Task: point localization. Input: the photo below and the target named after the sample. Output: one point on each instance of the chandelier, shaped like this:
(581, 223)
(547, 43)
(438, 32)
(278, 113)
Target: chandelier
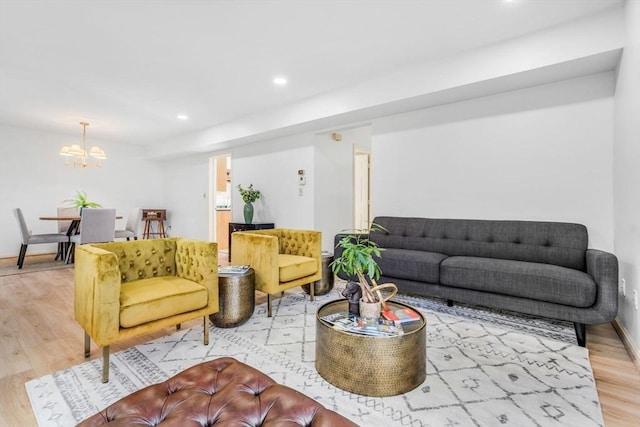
(78, 156)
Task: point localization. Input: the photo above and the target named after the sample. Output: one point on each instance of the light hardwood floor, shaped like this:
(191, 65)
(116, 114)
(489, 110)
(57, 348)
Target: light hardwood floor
(40, 336)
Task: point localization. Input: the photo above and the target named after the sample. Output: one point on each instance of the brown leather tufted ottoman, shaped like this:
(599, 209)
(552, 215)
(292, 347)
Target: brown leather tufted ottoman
(221, 392)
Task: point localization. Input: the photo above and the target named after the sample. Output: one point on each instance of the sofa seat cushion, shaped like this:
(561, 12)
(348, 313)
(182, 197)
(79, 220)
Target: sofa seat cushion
(142, 301)
(411, 265)
(292, 267)
(542, 282)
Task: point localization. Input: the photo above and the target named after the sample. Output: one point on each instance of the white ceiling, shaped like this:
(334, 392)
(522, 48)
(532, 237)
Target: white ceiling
(129, 67)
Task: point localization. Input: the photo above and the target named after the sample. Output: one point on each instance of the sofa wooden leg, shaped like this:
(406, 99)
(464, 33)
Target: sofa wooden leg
(87, 344)
(206, 330)
(449, 303)
(268, 305)
(105, 364)
(581, 333)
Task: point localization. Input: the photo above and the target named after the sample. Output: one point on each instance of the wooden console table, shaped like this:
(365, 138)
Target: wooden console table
(241, 226)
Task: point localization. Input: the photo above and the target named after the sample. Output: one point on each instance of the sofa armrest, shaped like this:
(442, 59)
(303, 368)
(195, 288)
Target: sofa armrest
(197, 260)
(97, 293)
(260, 251)
(603, 267)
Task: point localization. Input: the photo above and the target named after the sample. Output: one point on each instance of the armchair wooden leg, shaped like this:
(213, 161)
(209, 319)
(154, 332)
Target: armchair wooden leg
(105, 364)
(268, 305)
(178, 326)
(312, 291)
(206, 330)
(87, 344)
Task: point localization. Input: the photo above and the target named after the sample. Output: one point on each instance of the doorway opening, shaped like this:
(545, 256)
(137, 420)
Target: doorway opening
(220, 201)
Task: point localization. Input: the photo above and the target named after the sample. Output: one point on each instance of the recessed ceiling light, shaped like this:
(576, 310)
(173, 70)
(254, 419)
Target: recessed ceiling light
(182, 117)
(280, 81)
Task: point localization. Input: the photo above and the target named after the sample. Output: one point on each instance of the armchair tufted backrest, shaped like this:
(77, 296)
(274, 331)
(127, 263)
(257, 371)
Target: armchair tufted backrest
(294, 241)
(195, 261)
(143, 259)
(557, 243)
(298, 242)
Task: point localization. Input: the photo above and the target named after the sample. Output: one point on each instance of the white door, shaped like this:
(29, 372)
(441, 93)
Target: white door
(361, 190)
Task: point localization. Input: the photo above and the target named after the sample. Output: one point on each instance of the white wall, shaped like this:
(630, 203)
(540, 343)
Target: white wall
(33, 177)
(627, 170)
(543, 153)
(334, 181)
(186, 195)
(272, 167)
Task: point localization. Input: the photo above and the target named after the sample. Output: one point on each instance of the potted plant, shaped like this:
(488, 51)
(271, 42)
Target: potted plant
(358, 259)
(80, 201)
(249, 195)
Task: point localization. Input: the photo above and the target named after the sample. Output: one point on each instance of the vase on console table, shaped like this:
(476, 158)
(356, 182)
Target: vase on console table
(248, 212)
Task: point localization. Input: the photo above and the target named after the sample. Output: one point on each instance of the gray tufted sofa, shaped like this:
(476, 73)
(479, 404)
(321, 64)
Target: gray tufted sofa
(538, 268)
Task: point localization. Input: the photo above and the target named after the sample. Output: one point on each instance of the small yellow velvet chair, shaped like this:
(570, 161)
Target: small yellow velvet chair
(281, 258)
(131, 288)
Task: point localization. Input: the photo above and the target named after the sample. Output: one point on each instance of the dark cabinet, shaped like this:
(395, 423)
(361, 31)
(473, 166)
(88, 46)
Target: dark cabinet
(240, 226)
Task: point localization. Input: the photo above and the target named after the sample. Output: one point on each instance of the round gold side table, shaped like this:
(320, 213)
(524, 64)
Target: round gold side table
(371, 365)
(237, 299)
(325, 284)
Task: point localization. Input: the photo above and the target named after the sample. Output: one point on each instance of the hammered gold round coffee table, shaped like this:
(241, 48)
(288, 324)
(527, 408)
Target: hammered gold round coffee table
(371, 365)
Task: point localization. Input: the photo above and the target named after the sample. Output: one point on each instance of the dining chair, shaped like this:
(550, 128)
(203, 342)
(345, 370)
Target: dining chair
(33, 239)
(133, 223)
(63, 228)
(97, 225)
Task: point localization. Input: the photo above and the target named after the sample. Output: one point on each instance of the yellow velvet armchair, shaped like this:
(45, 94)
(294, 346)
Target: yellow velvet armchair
(282, 258)
(130, 288)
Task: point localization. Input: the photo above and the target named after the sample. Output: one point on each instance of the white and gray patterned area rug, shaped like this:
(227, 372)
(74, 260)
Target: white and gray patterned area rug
(482, 370)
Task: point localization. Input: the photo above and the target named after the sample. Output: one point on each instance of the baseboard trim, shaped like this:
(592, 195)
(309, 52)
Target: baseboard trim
(628, 343)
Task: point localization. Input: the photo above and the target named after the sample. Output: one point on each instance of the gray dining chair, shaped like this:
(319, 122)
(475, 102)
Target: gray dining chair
(133, 223)
(63, 228)
(97, 225)
(33, 239)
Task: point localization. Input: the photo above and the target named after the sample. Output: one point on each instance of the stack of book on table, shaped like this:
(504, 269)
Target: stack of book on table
(401, 315)
(348, 322)
(233, 269)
